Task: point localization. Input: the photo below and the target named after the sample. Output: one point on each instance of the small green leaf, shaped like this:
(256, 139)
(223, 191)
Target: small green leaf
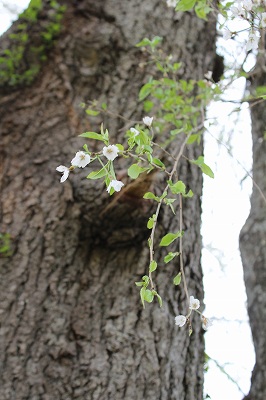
(139, 283)
(145, 91)
(170, 238)
(178, 187)
(104, 106)
(151, 221)
(93, 135)
(148, 296)
(169, 257)
(158, 298)
(142, 295)
(134, 171)
(97, 174)
(150, 196)
(204, 167)
(92, 112)
(177, 279)
(148, 105)
(158, 162)
(120, 147)
(146, 280)
(153, 266)
(143, 42)
(207, 170)
(193, 138)
(185, 5)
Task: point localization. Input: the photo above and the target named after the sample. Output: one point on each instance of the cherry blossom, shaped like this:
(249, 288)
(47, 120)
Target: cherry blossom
(116, 185)
(180, 320)
(110, 152)
(81, 159)
(147, 121)
(194, 304)
(65, 172)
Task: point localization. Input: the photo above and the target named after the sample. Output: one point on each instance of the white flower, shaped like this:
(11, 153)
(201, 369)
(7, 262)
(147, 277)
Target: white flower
(116, 185)
(247, 4)
(110, 152)
(171, 3)
(135, 131)
(81, 159)
(194, 304)
(253, 42)
(237, 11)
(263, 20)
(180, 320)
(227, 34)
(206, 323)
(147, 121)
(65, 171)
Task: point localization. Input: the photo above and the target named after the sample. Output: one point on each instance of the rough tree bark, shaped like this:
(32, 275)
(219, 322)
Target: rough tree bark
(253, 241)
(72, 326)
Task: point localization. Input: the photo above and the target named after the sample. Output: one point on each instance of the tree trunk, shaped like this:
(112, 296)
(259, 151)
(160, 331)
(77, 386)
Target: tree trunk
(72, 325)
(253, 241)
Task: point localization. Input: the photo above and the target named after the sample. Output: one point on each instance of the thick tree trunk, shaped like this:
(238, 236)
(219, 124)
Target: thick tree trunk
(72, 325)
(253, 242)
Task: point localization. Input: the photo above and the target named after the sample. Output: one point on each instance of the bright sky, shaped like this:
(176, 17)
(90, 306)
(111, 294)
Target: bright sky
(225, 209)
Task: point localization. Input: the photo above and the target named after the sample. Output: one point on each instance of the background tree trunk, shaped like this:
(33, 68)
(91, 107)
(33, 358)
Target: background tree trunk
(72, 325)
(253, 241)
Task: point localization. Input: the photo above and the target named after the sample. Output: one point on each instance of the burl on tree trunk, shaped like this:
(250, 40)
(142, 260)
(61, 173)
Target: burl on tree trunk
(72, 325)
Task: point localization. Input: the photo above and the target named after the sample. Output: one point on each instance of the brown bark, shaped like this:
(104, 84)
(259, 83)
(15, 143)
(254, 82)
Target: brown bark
(72, 326)
(253, 242)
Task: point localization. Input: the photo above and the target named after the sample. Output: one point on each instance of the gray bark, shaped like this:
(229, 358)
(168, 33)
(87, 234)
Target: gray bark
(72, 326)
(253, 242)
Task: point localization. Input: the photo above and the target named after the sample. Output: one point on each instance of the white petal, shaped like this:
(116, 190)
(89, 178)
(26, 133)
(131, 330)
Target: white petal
(61, 168)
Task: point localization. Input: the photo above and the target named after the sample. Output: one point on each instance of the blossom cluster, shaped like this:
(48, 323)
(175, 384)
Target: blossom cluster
(110, 152)
(194, 305)
(250, 11)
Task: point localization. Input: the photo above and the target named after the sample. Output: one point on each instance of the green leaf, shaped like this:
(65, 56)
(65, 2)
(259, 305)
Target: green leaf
(151, 221)
(170, 256)
(158, 298)
(93, 135)
(178, 187)
(143, 42)
(142, 295)
(158, 162)
(120, 147)
(146, 280)
(97, 174)
(92, 112)
(153, 266)
(185, 5)
(193, 138)
(204, 167)
(139, 283)
(148, 296)
(151, 196)
(145, 91)
(170, 238)
(104, 106)
(135, 170)
(148, 105)
(202, 10)
(177, 279)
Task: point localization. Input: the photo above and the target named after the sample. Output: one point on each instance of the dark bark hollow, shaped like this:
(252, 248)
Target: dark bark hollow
(253, 242)
(72, 325)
